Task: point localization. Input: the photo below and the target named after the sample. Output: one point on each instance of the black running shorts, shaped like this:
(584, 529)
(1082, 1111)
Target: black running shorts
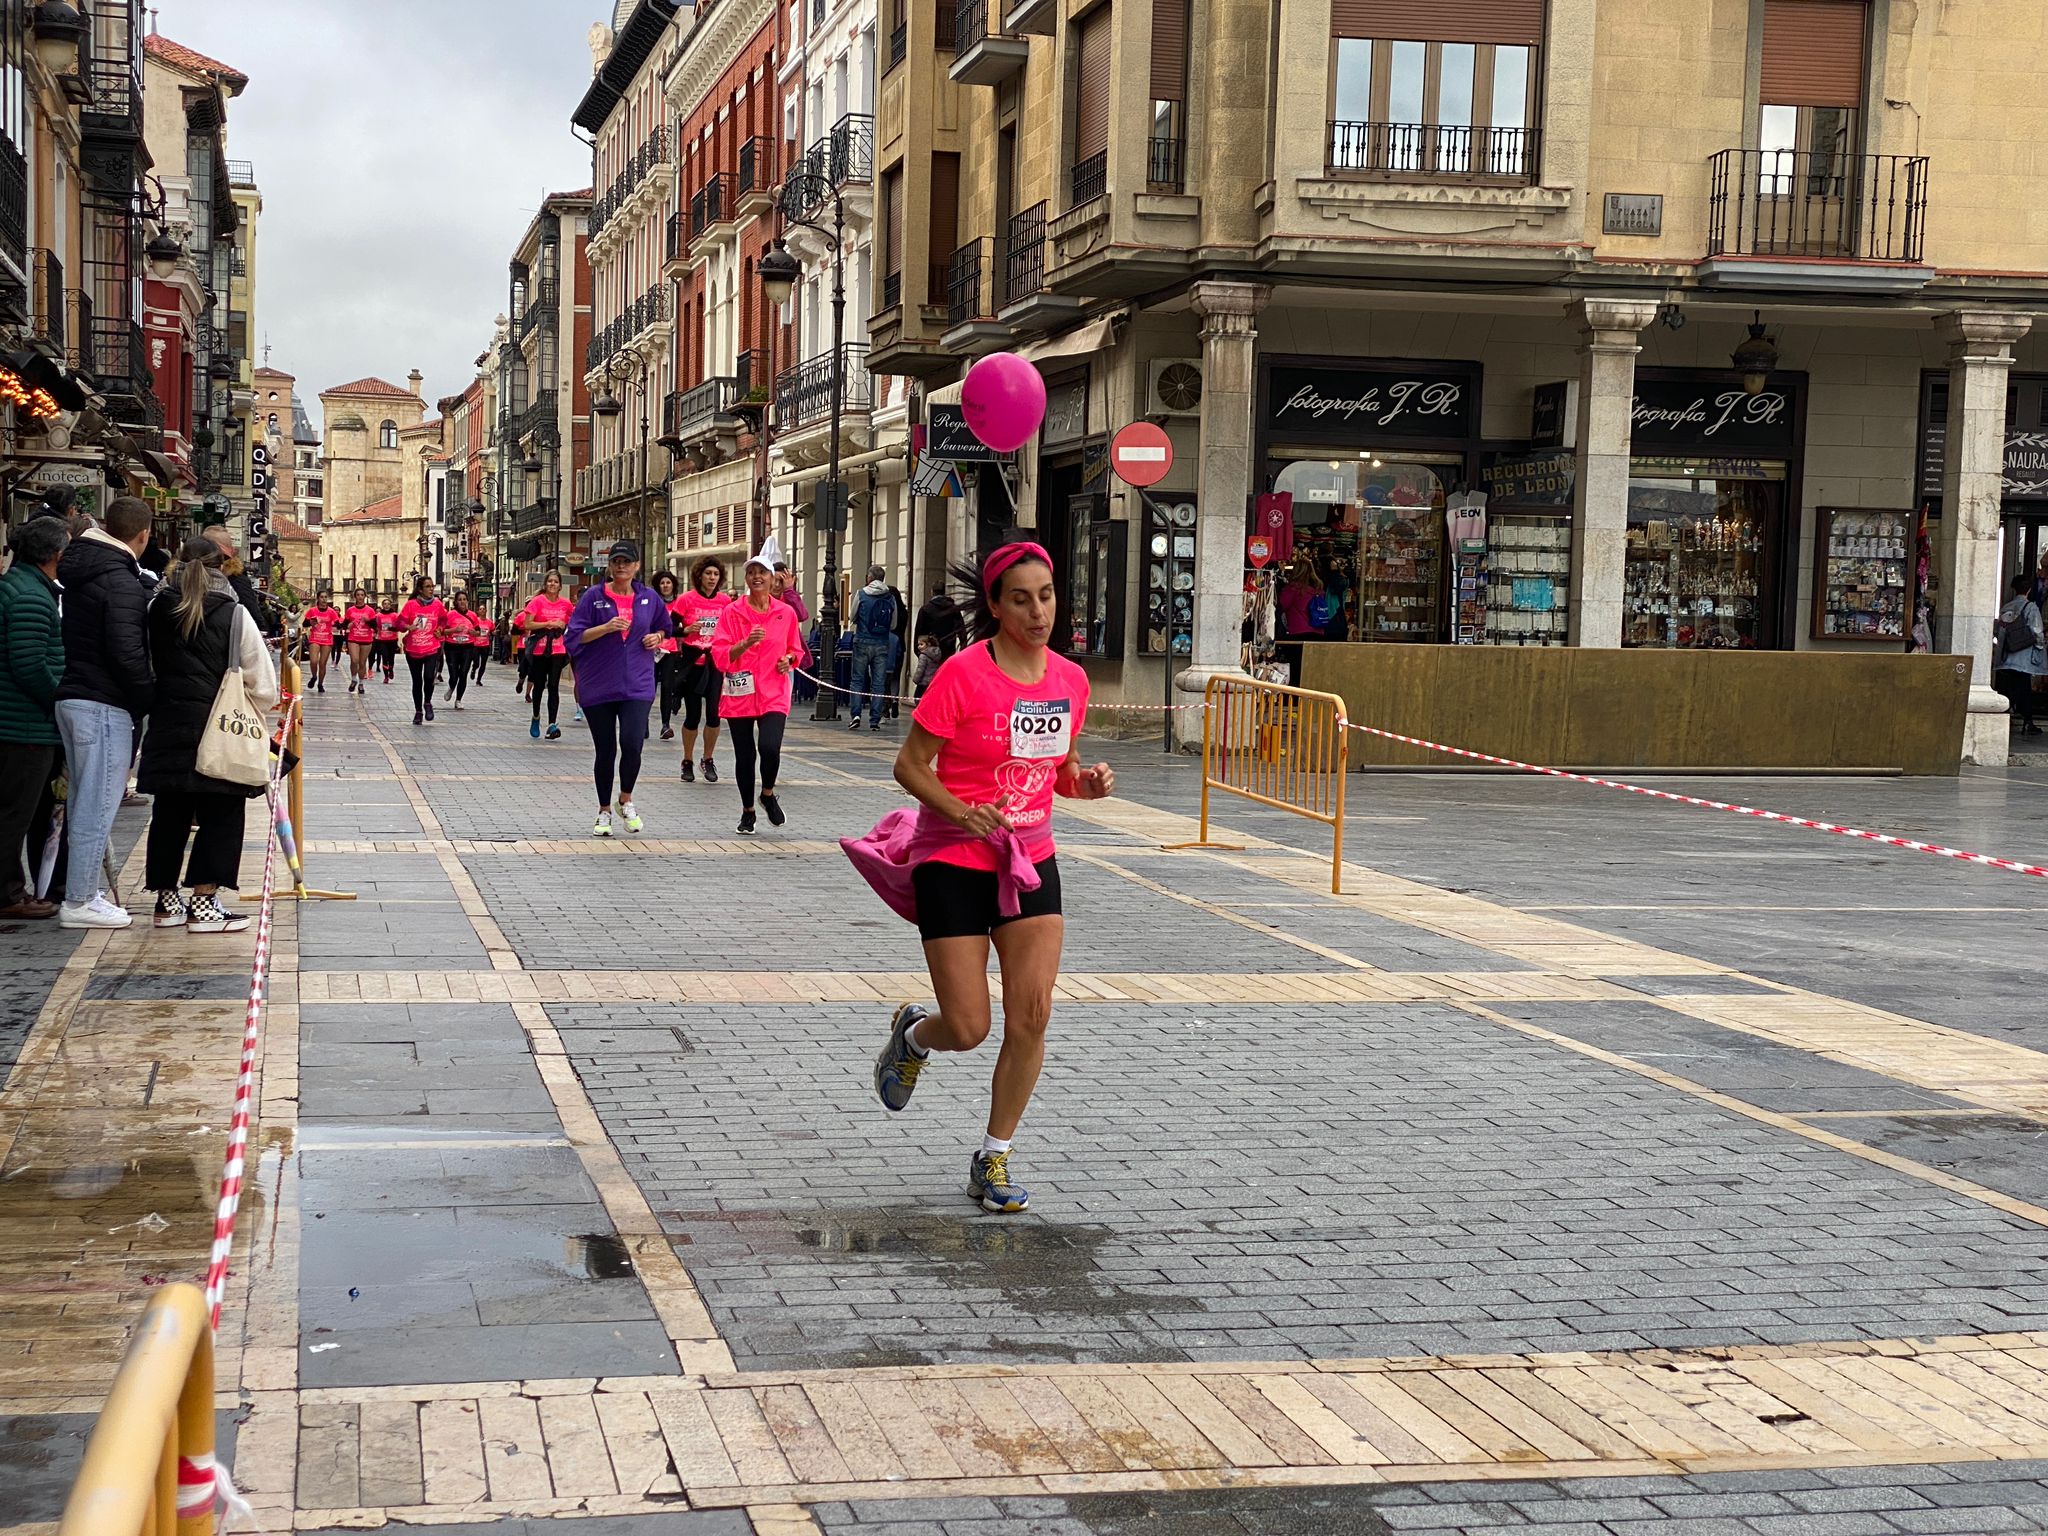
(957, 903)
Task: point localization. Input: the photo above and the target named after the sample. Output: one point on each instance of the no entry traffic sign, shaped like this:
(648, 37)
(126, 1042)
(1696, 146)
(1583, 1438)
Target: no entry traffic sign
(1141, 454)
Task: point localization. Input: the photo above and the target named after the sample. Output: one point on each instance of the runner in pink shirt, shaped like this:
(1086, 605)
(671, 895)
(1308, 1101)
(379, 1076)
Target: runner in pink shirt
(756, 646)
(362, 634)
(484, 628)
(423, 621)
(460, 634)
(995, 737)
(546, 618)
(697, 613)
(320, 621)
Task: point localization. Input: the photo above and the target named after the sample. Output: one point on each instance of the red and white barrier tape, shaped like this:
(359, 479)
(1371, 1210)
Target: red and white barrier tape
(1989, 861)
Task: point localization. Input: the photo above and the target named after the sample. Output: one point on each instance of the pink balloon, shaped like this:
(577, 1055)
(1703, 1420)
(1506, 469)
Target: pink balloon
(1003, 399)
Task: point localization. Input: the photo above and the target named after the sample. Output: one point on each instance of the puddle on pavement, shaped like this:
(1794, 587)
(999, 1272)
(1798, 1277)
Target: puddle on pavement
(600, 1256)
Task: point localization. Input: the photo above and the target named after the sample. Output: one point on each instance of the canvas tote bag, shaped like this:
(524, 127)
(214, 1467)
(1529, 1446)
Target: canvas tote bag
(235, 746)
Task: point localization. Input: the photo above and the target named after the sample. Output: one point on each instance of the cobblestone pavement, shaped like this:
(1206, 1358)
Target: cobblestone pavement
(1587, 1165)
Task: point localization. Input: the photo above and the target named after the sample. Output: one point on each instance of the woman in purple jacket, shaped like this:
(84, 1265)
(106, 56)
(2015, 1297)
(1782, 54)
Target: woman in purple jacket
(614, 637)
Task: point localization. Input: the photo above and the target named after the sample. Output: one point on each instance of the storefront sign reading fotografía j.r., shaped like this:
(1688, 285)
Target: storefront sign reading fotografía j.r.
(1341, 403)
(1714, 416)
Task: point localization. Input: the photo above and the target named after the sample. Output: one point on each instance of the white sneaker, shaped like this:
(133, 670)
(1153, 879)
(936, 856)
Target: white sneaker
(603, 827)
(97, 913)
(631, 816)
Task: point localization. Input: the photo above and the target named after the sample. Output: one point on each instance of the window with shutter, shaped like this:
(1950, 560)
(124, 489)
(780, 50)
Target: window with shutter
(1435, 89)
(1091, 105)
(1813, 53)
(1809, 123)
(945, 224)
(892, 221)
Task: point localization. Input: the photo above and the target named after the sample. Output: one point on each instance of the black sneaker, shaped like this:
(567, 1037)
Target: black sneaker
(668, 733)
(773, 806)
(170, 910)
(554, 733)
(854, 724)
(430, 709)
(689, 773)
(207, 915)
(746, 823)
(710, 771)
(418, 718)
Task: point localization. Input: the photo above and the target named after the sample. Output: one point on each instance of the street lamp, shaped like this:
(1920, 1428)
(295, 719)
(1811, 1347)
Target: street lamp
(60, 34)
(804, 196)
(611, 408)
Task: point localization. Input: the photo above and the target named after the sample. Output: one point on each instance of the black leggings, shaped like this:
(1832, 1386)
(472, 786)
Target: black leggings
(703, 685)
(478, 655)
(458, 674)
(426, 670)
(384, 653)
(743, 751)
(546, 672)
(668, 679)
(620, 731)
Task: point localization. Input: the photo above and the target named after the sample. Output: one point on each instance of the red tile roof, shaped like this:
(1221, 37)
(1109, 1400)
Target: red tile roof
(390, 510)
(372, 387)
(272, 373)
(290, 528)
(178, 56)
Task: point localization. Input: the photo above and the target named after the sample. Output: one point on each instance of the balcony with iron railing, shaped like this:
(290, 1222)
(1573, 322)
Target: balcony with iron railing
(677, 245)
(1166, 160)
(756, 176)
(542, 307)
(537, 516)
(1088, 180)
(1435, 152)
(970, 283)
(804, 394)
(241, 173)
(656, 151)
(644, 314)
(537, 420)
(690, 415)
(46, 300)
(13, 204)
(1797, 206)
(847, 153)
(982, 56)
(78, 318)
(609, 480)
(711, 205)
(120, 364)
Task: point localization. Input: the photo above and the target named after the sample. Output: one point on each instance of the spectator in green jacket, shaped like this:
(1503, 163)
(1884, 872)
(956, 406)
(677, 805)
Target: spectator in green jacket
(31, 667)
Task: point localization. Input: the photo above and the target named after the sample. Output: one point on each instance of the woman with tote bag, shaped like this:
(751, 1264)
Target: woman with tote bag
(213, 677)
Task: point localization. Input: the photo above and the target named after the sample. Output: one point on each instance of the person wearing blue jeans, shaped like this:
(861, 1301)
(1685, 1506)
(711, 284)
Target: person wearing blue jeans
(108, 688)
(874, 625)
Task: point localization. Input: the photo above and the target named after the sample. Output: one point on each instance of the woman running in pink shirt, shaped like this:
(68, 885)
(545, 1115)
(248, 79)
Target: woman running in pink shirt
(697, 613)
(993, 740)
(756, 646)
(423, 622)
(320, 621)
(458, 633)
(546, 620)
(362, 634)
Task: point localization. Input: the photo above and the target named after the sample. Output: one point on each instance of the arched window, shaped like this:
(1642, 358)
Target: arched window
(387, 435)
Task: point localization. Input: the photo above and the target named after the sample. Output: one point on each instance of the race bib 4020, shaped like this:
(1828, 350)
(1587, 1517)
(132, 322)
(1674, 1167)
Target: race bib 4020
(1041, 728)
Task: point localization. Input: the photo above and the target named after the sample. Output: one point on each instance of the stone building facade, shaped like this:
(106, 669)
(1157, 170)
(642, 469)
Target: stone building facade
(361, 423)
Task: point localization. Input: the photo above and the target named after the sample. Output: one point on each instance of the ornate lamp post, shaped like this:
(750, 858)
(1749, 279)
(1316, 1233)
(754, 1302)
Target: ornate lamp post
(610, 408)
(805, 195)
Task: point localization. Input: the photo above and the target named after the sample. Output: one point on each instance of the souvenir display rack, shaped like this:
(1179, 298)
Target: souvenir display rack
(1694, 577)
(1169, 575)
(1529, 576)
(1862, 587)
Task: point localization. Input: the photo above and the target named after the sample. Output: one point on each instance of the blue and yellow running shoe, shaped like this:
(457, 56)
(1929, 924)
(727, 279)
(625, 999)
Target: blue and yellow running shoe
(988, 1180)
(897, 1068)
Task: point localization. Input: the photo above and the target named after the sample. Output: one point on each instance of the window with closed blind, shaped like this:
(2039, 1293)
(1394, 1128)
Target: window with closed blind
(1166, 146)
(1435, 89)
(1090, 175)
(1810, 97)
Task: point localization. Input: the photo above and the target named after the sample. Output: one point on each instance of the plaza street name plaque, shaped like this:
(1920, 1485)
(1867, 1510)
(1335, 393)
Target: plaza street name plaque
(1632, 213)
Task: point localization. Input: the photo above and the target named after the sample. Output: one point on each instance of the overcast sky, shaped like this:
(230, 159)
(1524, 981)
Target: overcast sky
(402, 147)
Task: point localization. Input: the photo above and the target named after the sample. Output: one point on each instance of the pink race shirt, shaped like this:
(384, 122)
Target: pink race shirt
(552, 611)
(697, 617)
(755, 683)
(1004, 742)
(362, 625)
(320, 624)
(422, 624)
(458, 626)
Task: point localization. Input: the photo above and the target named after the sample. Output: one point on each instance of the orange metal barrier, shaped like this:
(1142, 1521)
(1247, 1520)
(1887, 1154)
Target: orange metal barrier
(1277, 746)
(148, 1468)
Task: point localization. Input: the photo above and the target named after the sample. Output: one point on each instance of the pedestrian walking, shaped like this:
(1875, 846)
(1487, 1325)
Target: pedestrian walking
(697, 613)
(361, 634)
(105, 695)
(2021, 656)
(197, 631)
(546, 619)
(785, 591)
(756, 646)
(874, 625)
(928, 659)
(940, 619)
(994, 739)
(31, 669)
(384, 648)
(613, 637)
(423, 621)
(668, 665)
(459, 633)
(319, 624)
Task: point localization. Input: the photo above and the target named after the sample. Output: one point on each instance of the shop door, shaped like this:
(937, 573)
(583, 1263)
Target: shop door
(2023, 539)
(1059, 482)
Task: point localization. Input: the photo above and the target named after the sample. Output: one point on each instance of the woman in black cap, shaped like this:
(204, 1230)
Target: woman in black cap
(613, 637)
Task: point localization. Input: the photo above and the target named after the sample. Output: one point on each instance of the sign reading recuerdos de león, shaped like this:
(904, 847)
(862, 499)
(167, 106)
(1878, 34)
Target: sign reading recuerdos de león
(1337, 403)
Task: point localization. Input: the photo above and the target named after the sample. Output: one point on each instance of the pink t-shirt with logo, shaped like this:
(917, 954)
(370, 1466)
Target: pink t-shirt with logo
(1004, 742)
(362, 624)
(320, 624)
(551, 611)
(457, 627)
(697, 617)
(422, 624)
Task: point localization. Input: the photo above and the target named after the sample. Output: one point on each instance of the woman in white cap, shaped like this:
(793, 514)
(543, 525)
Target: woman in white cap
(757, 646)
(613, 637)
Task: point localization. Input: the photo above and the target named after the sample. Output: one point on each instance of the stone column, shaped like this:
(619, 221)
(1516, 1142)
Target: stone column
(1230, 338)
(1972, 490)
(1607, 388)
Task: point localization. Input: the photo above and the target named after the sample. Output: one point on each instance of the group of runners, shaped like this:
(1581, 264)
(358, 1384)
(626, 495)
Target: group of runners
(992, 740)
(433, 633)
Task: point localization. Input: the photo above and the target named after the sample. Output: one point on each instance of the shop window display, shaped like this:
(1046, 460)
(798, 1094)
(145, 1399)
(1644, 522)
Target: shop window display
(1863, 591)
(1374, 529)
(1529, 577)
(1698, 573)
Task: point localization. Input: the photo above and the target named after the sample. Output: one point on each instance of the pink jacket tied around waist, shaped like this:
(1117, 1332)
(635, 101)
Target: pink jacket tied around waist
(888, 856)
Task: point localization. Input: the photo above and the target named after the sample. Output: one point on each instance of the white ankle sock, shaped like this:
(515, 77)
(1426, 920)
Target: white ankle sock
(991, 1144)
(910, 1039)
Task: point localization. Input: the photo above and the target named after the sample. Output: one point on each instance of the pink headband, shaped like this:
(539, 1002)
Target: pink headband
(992, 569)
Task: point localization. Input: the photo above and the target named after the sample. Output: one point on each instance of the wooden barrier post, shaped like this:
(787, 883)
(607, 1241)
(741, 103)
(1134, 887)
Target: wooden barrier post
(295, 792)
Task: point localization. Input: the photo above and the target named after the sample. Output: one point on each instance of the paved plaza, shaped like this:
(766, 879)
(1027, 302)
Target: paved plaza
(1589, 1164)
